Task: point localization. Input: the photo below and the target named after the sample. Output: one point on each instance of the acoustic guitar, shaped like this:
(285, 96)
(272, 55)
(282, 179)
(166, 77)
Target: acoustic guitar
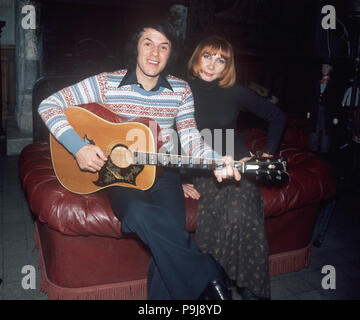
(132, 151)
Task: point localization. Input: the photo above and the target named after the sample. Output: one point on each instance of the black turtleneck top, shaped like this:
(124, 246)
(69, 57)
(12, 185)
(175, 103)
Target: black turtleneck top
(219, 108)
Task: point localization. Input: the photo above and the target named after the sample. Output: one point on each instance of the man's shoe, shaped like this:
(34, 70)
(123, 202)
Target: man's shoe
(216, 290)
(246, 294)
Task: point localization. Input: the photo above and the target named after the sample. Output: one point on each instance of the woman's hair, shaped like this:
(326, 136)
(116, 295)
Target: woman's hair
(161, 26)
(213, 45)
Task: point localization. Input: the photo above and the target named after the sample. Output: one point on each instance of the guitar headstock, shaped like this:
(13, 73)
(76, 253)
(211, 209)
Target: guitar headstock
(268, 169)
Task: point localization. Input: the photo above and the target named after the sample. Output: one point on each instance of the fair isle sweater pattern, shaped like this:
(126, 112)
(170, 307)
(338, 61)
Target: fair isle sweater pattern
(172, 109)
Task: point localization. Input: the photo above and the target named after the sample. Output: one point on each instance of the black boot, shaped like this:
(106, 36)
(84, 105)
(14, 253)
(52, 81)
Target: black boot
(216, 290)
(246, 294)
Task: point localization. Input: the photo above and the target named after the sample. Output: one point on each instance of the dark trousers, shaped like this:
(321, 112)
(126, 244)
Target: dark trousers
(178, 269)
(320, 139)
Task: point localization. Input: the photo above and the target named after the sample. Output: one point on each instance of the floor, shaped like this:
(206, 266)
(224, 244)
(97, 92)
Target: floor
(340, 249)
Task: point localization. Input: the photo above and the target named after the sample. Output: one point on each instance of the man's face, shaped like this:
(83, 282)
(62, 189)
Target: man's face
(153, 54)
(326, 69)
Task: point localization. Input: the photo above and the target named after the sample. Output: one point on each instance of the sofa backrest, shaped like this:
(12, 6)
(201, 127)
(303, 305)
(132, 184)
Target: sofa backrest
(43, 88)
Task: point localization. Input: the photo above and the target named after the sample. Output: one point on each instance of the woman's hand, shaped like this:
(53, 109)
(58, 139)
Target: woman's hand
(229, 171)
(264, 155)
(190, 191)
(90, 158)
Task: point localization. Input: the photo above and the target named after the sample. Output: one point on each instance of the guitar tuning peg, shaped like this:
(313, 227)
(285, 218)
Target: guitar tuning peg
(268, 175)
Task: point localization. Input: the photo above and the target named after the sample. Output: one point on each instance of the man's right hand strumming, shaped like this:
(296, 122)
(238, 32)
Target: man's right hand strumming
(90, 158)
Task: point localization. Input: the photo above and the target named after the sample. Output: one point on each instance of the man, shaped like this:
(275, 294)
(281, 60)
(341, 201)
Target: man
(177, 270)
(323, 110)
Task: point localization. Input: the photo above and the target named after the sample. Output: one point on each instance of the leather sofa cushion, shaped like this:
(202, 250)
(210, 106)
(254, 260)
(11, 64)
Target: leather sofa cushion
(311, 179)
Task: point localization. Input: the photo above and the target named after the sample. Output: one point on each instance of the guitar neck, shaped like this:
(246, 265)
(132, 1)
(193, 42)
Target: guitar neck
(180, 161)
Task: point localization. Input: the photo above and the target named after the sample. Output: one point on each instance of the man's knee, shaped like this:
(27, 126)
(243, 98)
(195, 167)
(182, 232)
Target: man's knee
(138, 213)
(151, 219)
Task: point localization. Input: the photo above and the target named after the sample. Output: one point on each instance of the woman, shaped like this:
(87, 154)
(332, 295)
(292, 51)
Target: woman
(230, 216)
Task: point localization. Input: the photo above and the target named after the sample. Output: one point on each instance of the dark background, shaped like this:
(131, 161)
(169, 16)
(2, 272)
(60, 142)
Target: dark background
(278, 44)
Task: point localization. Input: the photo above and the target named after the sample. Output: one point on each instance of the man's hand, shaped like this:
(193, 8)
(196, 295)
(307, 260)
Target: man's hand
(90, 158)
(190, 191)
(228, 172)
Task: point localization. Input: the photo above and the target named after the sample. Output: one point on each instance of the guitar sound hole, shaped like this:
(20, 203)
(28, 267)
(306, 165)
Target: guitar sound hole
(121, 156)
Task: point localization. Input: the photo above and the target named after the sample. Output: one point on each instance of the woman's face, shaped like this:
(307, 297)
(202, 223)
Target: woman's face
(211, 67)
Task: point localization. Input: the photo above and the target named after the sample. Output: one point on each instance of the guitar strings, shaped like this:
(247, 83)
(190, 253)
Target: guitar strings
(180, 160)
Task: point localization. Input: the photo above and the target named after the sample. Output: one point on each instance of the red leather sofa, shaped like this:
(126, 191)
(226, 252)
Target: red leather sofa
(84, 255)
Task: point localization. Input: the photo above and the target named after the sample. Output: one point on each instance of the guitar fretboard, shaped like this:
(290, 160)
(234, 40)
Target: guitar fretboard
(180, 161)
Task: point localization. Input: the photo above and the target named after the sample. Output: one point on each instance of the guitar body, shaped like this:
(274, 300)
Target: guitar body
(111, 137)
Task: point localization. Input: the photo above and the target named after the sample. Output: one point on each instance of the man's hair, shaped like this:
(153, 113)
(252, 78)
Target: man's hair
(161, 26)
(213, 45)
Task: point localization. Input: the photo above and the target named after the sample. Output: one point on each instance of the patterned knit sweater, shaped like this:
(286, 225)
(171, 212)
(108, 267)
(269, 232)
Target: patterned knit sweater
(172, 109)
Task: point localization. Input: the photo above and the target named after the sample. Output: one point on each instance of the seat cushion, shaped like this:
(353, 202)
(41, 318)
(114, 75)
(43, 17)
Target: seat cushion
(311, 179)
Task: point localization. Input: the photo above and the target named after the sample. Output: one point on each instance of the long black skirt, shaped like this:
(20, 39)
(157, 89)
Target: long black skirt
(231, 228)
